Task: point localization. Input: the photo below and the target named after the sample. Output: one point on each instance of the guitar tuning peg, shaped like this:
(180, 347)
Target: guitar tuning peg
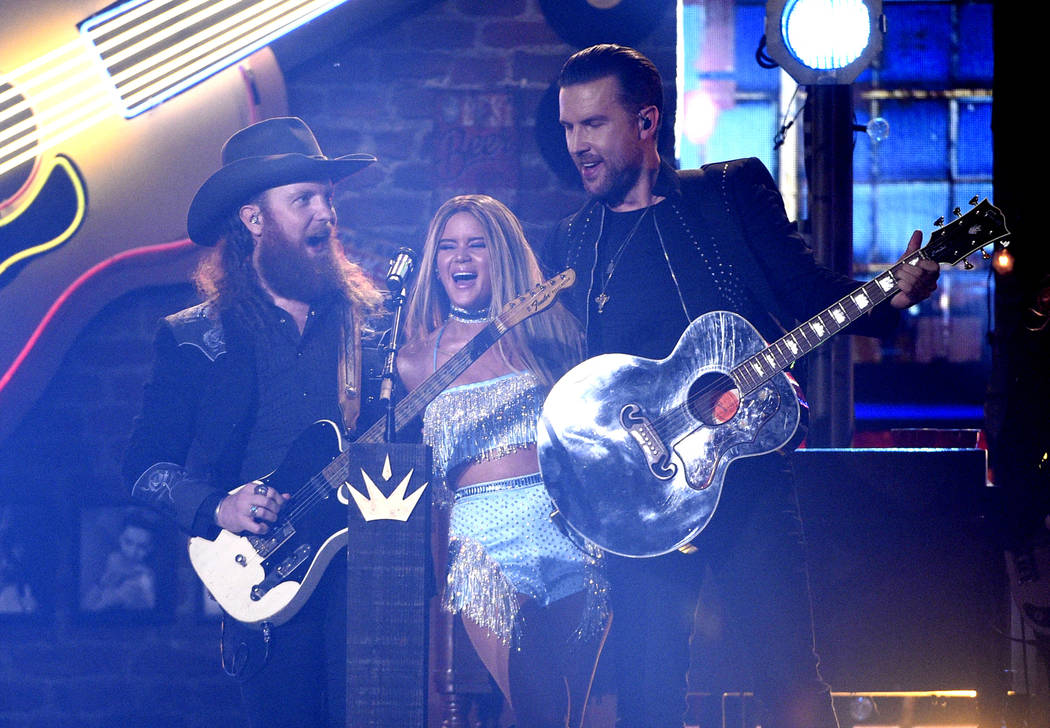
(967, 264)
(957, 212)
(985, 254)
(939, 221)
(973, 201)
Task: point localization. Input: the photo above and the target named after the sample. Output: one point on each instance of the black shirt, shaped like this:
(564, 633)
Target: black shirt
(643, 314)
(296, 384)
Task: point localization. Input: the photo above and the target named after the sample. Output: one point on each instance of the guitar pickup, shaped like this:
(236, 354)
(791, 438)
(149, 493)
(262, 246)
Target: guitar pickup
(279, 533)
(281, 572)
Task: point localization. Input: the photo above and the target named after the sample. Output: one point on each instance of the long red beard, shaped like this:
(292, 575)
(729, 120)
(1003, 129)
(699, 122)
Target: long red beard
(292, 275)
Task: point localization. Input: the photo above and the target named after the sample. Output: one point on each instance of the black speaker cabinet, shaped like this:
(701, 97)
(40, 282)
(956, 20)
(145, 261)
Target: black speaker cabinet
(388, 583)
(906, 581)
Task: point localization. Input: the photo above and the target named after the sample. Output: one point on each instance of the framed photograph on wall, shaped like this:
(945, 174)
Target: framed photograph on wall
(28, 555)
(126, 564)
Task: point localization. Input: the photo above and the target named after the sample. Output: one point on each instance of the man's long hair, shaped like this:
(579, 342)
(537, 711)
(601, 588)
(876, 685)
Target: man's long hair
(547, 343)
(640, 84)
(228, 279)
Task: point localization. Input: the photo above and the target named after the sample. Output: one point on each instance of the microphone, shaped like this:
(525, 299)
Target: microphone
(401, 268)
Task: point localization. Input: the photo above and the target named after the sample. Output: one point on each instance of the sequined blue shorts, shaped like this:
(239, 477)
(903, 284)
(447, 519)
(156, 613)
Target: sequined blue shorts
(503, 542)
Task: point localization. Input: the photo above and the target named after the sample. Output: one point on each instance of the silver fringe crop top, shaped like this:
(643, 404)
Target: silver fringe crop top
(481, 421)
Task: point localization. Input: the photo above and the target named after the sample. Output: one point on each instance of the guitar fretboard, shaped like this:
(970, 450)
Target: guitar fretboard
(336, 472)
(755, 371)
(539, 298)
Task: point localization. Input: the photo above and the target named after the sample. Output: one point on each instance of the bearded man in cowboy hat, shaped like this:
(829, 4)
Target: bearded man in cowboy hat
(275, 347)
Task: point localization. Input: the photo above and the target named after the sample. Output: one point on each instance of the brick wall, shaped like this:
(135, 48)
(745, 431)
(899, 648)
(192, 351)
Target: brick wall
(447, 100)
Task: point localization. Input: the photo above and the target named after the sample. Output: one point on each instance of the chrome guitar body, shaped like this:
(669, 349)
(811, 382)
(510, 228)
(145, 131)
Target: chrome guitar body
(634, 451)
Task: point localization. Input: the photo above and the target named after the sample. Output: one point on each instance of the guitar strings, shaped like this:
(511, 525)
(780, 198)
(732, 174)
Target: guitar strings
(681, 414)
(319, 486)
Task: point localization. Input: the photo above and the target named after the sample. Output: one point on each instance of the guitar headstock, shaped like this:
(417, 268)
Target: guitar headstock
(536, 299)
(981, 226)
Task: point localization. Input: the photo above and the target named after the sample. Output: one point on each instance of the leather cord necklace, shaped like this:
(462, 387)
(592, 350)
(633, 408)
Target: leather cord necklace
(603, 298)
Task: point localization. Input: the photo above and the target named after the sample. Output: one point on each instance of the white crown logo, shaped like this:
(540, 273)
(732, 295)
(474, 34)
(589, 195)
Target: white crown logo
(376, 506)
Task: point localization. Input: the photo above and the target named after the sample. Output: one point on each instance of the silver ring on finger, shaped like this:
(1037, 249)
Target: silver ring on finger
(253, 510)
(260, 489)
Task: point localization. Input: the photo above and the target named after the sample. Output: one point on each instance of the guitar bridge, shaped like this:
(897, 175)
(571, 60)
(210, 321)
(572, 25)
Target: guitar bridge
(657, 456)
(281, 572)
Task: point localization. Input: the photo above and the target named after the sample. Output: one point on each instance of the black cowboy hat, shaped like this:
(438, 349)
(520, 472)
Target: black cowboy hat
(270, 153)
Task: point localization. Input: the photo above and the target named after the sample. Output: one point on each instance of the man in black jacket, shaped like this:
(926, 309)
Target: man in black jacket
(654, 249)
(275, 347)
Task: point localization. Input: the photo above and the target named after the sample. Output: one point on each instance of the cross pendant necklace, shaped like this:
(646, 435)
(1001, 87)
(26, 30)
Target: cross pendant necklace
(603, 298)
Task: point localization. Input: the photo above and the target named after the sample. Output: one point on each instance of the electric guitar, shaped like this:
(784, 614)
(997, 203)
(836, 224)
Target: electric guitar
(267, 578)
(634, 451)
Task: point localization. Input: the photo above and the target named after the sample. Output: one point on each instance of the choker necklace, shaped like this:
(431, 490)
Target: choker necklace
(465, 316)
(603, 298)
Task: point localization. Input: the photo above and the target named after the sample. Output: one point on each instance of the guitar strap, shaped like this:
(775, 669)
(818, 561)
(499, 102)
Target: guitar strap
(350, 369)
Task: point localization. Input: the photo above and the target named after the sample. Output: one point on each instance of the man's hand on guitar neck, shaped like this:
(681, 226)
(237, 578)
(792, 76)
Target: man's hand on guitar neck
(252, 508)
(916, 282)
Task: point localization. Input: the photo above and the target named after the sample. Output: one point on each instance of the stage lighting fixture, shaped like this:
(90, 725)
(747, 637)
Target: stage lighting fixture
(824, 42)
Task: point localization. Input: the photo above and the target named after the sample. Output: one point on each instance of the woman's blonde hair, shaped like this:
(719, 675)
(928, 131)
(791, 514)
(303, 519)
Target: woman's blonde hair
(547, 343)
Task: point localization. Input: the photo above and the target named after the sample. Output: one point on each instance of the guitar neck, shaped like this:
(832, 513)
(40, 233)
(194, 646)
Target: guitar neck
(421, 396)
(755, 371)
(537, 299)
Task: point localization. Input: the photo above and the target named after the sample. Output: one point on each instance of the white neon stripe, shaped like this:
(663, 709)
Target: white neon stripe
(45, 59)
(111, 25)
(213, 59)
(54, 139)
(18, 76)
(164, 33)
(33, 99)
(216, 33)
(91, 100)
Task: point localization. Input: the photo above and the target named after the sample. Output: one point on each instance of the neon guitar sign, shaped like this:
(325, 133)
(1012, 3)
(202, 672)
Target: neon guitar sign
(87, 178)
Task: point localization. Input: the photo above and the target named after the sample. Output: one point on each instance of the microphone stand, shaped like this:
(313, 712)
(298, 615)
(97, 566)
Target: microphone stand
(386, 389)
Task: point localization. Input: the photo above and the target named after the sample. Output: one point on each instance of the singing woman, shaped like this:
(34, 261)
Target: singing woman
(532, 601)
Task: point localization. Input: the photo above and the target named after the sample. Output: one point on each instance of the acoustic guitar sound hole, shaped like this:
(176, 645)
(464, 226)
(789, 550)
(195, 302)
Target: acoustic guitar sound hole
(714, 399)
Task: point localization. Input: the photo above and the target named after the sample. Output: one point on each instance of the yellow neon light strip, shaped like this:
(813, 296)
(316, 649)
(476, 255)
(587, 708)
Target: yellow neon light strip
(908, 694)
(238, 21)
(54, 242)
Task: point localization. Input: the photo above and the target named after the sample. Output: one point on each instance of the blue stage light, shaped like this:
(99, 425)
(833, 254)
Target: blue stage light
(824, 41)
